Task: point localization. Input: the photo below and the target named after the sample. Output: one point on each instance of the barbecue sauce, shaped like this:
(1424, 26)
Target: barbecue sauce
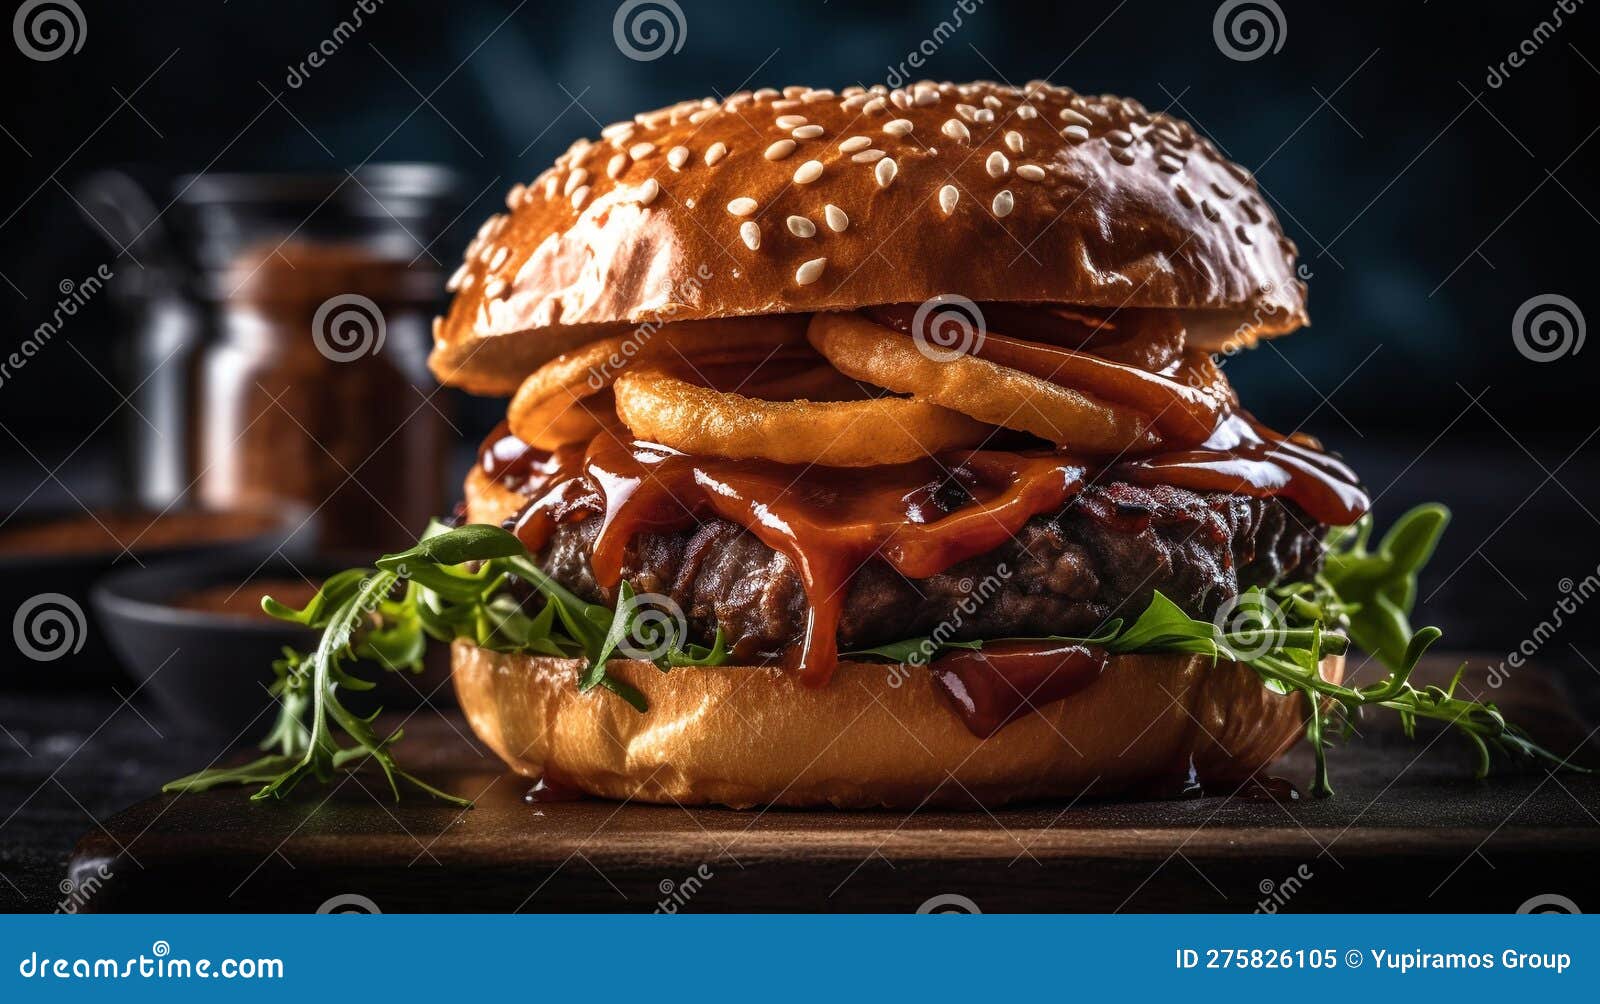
(827, 521)
(923, 517)
(993, 686)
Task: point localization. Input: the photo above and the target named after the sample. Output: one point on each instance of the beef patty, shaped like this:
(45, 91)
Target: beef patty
(1102, 556)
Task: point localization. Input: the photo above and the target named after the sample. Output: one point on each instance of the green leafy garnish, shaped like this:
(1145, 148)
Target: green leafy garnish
(1363, 595)
(385, 615)
(455, 584)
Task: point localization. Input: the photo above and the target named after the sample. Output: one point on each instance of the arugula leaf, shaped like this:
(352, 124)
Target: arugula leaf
(454, 584)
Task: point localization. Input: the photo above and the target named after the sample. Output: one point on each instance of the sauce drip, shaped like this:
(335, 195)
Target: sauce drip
(923, 517)
(916, 517)
(1246, 457)
(993, 686)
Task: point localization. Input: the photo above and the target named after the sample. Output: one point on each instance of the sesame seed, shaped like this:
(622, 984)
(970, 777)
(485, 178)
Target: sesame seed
(617, 131)
(885, 171)
(750, 232)
(648, 191)
(785, 105)
(500, 255)
(1075, 118)
(575, 181)
(897, 127)
(1014, 141)
(1032, 172)
(1183, 195)
(1026, 112)
(899, 98)
(677, 157)
(1239, 232)
(514, 196)
(616, 165)
(1168, 163)
(742, 206)
(837, 220)
(801, 227)
(715, 153)
(807, 132)
(794, 90)
(820, 94)
(808, 172)
(455, 278)
(875, 106)
(983, 116)
(1119, 137)
(997, 165)
(854, 143)
(1121, 156)
(811, 271)
(955, 130)
(926, 96)
(779, 150)
(579, 197)
(1210, 210)
(967, 112)
(494, 287)
(1075, 133)
(790, 121)
(992, 101)
(1003, 204)
(868, 156)
(695, 118)
(948, 196)
(639, 151)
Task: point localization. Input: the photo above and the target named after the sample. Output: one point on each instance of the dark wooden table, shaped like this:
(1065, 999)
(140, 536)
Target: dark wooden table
(1408, 831)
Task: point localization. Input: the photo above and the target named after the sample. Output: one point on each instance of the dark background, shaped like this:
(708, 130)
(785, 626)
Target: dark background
(1429, 204)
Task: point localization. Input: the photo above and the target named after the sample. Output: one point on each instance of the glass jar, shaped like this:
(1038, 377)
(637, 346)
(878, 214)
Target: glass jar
(310, 385)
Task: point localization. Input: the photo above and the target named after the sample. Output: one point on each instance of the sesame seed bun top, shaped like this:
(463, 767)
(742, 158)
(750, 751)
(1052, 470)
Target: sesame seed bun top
(805, 200)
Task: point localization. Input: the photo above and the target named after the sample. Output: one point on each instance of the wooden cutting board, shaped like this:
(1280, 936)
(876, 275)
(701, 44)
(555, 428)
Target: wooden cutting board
(1409, 830)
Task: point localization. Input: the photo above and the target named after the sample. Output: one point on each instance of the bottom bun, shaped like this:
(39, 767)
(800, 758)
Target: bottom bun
(876, 736)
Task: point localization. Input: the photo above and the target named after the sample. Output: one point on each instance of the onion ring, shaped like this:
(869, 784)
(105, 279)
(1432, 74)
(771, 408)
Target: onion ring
(550, 408)
(1179, 406)
(661, 406)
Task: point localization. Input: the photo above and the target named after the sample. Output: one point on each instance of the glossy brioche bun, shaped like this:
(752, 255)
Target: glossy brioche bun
(877, 735)
(1058, 197)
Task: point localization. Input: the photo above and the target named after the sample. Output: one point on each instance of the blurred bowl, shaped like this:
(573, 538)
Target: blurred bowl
(50, 559)
(193, 634)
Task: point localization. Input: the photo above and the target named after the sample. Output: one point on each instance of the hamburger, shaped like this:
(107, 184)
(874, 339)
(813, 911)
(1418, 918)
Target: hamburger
(874, 448)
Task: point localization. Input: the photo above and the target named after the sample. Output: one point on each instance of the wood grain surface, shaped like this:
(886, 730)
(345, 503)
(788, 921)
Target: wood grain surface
(1409, 830)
